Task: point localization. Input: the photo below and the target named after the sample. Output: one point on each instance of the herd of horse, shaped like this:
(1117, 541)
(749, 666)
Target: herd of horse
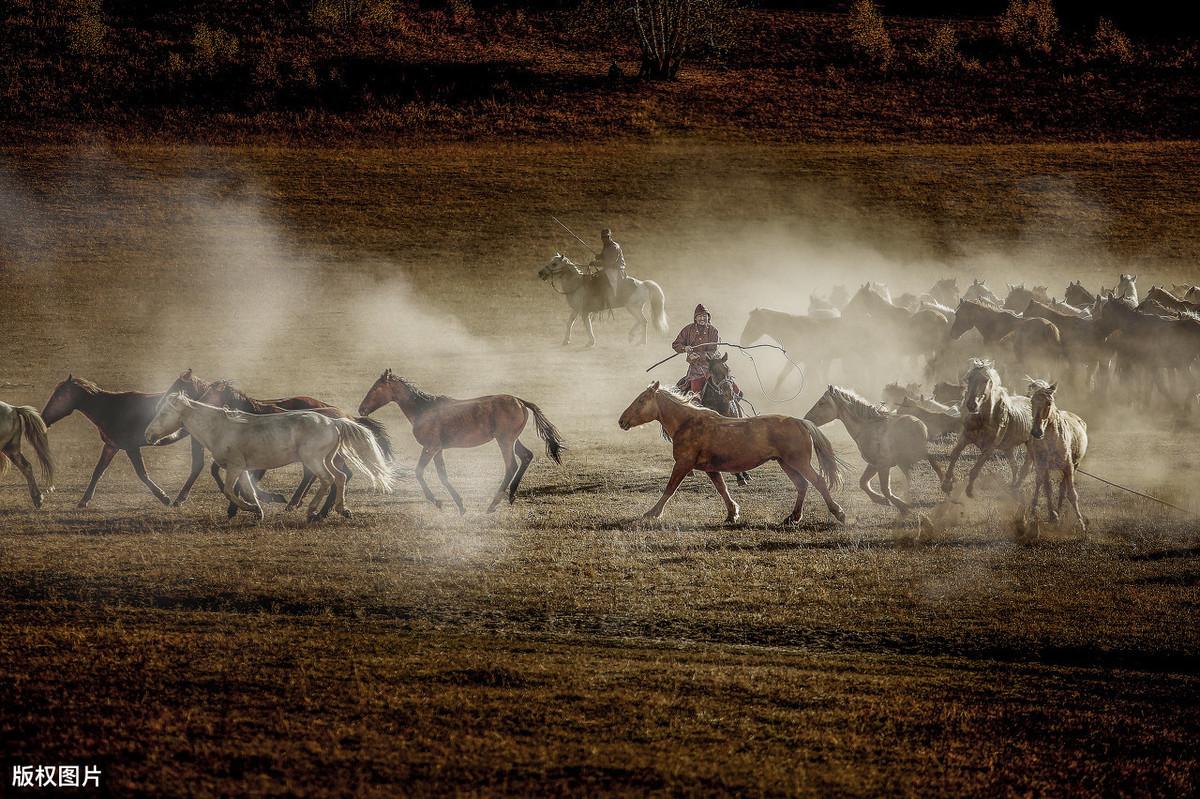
(1107, 336)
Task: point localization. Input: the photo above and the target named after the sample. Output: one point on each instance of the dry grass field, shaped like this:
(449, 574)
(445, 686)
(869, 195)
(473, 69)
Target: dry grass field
(559, 645)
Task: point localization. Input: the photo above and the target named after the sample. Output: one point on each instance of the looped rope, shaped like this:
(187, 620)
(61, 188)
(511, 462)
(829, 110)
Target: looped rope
(753, 363)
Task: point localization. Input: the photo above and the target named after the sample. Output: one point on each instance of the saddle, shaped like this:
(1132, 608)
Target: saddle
(598, 287)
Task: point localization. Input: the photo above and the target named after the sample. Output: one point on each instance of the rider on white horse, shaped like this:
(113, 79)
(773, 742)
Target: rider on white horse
(610, 261)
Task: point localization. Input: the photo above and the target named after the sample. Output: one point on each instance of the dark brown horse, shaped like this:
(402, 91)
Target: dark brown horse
(440, 422)
(120, 417)
(703, 439)
(719, 395)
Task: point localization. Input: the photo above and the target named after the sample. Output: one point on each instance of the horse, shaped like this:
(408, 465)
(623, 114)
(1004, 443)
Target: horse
(1082, 341)
(1058, 442)
(1078, 296)
(939, 419)
(242, 442)
(585, 298)
(1033, 340)
(993, 421)
(919, 333)
(119, 416)
(1167, 300)
(821, 309)
(945, 292)
(718, 394)
(838, 297)
(948, 393)
(23, 420)
(1019, 296)
(703, 439)
(894, 393)
(222, 393)
(1127, 289)
(1148, 346)
(818, 339)
(979, 292)
(884, 440)
(440, 422)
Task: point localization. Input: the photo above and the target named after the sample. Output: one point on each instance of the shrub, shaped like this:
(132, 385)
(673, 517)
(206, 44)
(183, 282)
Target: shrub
(86, 31)
(1030, 25)
(868, 36)
(1111, 44)
(941, 54)
(344, 15)
(212, 49)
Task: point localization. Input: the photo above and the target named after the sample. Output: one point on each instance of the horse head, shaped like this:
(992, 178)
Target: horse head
(643, 409)
(168, 418)
(982, 381)
(1041, 398)
(63, 400)
(824, 410)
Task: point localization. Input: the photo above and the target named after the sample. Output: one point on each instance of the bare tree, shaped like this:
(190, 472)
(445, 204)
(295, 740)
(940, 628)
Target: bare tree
(666, 32)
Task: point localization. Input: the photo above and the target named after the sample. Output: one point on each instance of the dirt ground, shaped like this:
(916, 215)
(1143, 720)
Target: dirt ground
(558, 645)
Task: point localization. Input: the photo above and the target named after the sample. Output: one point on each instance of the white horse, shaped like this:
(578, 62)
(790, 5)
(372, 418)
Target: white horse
(1059, 443)
(994, 421)
(1127, 289)
(241, 442)
(23, 420)
(588, 294)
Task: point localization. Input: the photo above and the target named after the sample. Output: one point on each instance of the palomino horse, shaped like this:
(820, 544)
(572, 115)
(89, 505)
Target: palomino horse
(584, 295)
(120, 417)
(703, 439)
(440, 422)
(242, 442)
(992, 420)
(1058, 443)
(884, 440)
(22, 420)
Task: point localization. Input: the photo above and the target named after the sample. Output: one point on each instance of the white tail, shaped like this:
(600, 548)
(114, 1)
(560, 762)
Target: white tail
(357, 445)
(657, 306)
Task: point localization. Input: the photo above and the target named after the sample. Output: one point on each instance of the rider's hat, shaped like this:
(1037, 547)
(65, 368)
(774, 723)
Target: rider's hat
(700, 309)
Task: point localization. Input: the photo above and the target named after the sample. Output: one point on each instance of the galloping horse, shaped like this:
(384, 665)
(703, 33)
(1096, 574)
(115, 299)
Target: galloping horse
(22, 420)
(1033, 340)
(939, 419)
(820, 340)
(884, 440)
(993, 421)
(440, 422)
(1078, 296)
(703, 439)
(242, 442)
(121, 419)
(1059, 442)
(915, 333)
(585, 300)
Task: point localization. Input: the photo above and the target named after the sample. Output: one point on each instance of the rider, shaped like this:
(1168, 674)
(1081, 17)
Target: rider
(611, 262)
(698, 340)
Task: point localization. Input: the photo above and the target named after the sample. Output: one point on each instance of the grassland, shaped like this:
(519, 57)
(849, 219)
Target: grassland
(558, 646)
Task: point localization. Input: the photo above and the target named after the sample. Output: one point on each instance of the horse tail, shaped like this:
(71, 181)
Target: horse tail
(380, 434)
(357, 445)
(34, 429)
(829, 464)
(658, 303)
(546, 431)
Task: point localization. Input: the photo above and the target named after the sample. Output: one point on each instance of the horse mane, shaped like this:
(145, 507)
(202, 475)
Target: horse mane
(859, 406)
(422, 398)
(987, 306)
(86, 385)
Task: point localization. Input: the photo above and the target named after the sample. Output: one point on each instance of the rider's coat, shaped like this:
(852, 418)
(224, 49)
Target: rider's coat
(612, 261)
(703, 340)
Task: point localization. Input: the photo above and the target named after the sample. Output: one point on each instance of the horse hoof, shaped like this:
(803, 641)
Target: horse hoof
(165, 500)
(462, 511)
(346, 514)
(38, 500)
(840, 516)
(437, 503)
(733, 518)
(231, 511)
(947, 486)
(313, 518)
(790, 521)
(81, 504)
(177, 503)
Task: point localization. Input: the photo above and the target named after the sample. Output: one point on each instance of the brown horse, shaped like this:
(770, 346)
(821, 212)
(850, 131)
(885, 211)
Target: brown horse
(223, 394)
(703, 439)
(120, 417)
(440, 422)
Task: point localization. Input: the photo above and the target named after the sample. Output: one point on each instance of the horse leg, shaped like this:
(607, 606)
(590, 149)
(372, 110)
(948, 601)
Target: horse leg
(229, 488)
(885, 485)
(570, 327)
(197, 467)
(788, 368)
(680, 471)
(250, 492)
(933, 465)
(305, 483)
(14, 453)
(806, 469)
(1026, 464)
(339, 467)
(525, 455)
(864, 483)
(801, 484)
(1073, 494)
(587, 325)
(639, 321)
(984, 454)
(268, 496)
(135, 457)
(106, 456)
(337, 496)
(323, 474)
(510, 470)
(732, 511)
(423, 461)
(439, 463)
(948, 480)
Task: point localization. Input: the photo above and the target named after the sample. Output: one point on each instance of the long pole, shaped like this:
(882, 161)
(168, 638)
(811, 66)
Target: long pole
(572, 232)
